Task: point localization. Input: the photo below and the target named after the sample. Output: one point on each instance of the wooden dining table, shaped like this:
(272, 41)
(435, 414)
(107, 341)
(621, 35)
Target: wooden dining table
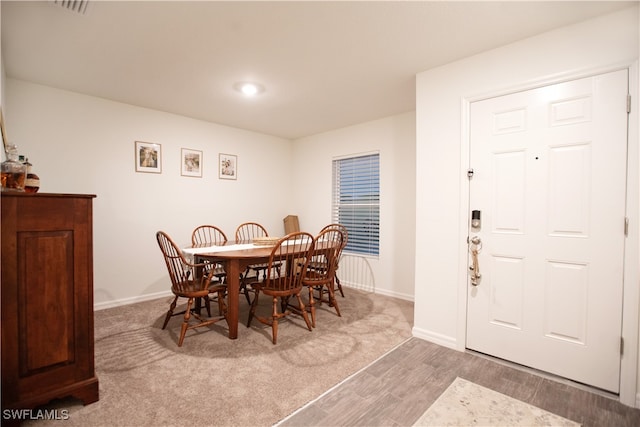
(235, 257)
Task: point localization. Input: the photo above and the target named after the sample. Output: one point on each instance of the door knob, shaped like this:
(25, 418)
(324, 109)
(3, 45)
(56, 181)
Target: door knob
(474, 248)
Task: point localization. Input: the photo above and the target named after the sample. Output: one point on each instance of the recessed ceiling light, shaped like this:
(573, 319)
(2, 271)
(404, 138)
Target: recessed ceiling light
(248, 88)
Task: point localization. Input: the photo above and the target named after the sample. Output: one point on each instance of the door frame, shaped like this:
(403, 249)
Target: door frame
(631, 278)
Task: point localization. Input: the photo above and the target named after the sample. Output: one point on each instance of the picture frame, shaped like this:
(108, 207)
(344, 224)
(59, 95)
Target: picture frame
(191, 162)
(5, 141)
(228, 166)
(148, 157)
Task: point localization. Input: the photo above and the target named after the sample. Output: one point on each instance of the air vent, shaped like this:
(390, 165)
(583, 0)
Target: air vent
(78, 6)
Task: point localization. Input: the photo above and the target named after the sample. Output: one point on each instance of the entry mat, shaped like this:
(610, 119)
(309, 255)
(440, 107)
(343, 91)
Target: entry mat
(464, 403)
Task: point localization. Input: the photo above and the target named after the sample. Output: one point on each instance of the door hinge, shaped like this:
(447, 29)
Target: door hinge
(470, 173)
(628, 103)
(626, 226)
(621, 346)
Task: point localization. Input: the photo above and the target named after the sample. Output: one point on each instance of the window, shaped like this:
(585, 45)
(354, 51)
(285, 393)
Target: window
(356, 201)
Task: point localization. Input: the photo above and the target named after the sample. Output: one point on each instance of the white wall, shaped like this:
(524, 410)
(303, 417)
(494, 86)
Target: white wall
(442, 153)
(83, 144)
(394, 138)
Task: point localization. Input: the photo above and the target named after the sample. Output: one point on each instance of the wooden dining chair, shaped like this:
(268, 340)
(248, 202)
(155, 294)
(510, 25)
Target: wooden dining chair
(186, 282)
(246, 233)
(326, 253)
(318, 264)
(210, 235)
(281, 287)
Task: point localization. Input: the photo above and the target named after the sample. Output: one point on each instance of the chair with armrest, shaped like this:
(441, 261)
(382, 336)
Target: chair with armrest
(186, 282)
(210, 235)
(246, 233)
(326, 252)
(292, 252)
(320, 265)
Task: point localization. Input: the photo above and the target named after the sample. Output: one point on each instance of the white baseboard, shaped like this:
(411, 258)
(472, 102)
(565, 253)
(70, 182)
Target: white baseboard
(132, 300)
(385, 292)
(359, 286)
(398, 295)
(435, 338)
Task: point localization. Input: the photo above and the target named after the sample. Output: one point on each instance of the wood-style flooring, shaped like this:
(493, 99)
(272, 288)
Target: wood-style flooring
(396, 389)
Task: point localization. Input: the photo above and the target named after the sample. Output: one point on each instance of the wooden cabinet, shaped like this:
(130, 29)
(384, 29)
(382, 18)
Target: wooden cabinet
(47, 299)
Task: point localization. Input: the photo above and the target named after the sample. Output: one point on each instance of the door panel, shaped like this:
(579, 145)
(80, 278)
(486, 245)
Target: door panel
(507, 291)
(569, 170)
(550, 180)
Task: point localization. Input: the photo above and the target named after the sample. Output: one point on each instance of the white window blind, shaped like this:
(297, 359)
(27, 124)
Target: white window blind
(356, 201)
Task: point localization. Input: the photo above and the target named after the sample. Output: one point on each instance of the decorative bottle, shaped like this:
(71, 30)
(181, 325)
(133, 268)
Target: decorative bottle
(13, 172)
(32, 183)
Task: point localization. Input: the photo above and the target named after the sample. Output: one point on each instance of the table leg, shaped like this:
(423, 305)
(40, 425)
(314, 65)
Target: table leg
(233, 292)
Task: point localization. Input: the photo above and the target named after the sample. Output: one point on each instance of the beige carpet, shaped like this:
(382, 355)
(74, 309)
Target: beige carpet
(147, 380)
(464, 403)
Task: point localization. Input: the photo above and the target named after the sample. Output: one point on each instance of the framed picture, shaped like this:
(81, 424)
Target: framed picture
(228, 166)
(5, 142)
(148, 157)
(191, 162)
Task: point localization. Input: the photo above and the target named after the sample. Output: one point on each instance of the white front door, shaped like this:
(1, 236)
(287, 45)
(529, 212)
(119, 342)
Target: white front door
(549, 180)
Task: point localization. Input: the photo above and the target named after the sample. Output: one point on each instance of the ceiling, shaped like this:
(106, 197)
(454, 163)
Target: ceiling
(324, 65)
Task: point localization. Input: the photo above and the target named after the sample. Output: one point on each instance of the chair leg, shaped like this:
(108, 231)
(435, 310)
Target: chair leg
(339, 285)
(284, 303)
(170, 312)
(320, 290)
(312, 305)
(334, 301)
(303, 309)
(222, 307)
(185, 323)
(274, 320)
(252, 311)
(243, 286)
(207, 304)
(246, 293)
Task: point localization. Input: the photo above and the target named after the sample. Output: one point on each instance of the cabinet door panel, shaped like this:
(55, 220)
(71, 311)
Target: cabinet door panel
(45, 290)
(47, 299)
